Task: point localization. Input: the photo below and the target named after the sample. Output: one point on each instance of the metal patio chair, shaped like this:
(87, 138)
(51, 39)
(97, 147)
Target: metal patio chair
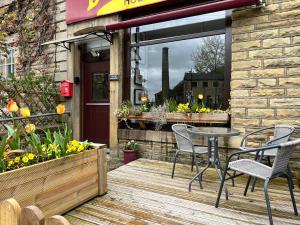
(282, 134)
(185, 144)
(254, 168)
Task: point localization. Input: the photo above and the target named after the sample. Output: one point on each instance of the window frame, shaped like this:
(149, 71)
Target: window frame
(7, 64)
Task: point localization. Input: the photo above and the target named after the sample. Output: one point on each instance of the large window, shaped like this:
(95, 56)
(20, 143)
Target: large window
(180, 62)
(7, 64)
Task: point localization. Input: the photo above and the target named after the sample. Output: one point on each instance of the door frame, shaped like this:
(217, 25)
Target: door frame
(82, 92)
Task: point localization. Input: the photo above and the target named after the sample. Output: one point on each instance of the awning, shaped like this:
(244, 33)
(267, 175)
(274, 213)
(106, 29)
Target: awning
(182, 13)
(65, 43)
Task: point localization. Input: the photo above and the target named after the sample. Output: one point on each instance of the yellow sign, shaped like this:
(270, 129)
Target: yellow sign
(105, 7)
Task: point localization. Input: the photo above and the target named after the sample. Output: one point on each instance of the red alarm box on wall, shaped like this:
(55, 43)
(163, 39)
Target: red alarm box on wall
(66, 88)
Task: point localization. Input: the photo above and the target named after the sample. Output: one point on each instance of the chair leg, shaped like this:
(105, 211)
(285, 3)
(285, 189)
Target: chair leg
(290, 183)
(266, 187)
(221, 188)
(174, 164)
(247, 185)
(289, 173)
(198, 175)
(253, 184)
(192, 162)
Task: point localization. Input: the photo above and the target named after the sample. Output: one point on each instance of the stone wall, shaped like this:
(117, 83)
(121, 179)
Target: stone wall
(266, 65)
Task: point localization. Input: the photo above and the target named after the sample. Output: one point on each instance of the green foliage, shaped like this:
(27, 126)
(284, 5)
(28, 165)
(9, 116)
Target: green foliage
(14, 140)
(194, 107)
(171, 105)
(34, 141)
(2, 150)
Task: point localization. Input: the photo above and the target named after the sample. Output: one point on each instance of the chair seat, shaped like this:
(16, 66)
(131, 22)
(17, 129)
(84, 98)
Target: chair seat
(198, 149)
(270, 152)
(251, 167)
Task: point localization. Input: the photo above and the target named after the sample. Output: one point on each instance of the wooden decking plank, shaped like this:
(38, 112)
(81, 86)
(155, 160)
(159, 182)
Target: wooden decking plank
(143, 192)
(138, 213)
(132, 194)
(208, 197)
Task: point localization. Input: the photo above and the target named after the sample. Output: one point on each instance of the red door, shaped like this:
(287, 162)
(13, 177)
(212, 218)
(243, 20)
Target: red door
(95, 113)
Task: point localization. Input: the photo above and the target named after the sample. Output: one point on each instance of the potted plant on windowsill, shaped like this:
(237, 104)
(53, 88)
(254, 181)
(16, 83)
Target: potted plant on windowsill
(130, 151)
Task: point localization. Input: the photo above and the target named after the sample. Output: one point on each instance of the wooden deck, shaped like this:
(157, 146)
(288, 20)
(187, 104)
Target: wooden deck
(144, 193)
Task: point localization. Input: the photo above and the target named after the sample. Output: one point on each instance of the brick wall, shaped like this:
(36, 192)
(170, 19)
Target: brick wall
(266, 67)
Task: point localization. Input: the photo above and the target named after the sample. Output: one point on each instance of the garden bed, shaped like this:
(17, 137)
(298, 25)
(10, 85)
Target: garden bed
(58, 185)
(196, 118)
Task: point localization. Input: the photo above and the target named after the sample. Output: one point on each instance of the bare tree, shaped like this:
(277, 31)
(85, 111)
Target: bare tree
(209, 55)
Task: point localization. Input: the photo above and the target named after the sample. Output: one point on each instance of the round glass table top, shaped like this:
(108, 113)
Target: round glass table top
(214, 131)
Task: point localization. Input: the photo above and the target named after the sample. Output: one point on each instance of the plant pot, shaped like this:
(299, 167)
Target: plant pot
(130, 155)
(58, 185)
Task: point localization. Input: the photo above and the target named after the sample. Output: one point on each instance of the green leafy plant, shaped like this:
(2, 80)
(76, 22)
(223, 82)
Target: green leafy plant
(171, 105)
(131, 145)
(195, 107)
(2, 150)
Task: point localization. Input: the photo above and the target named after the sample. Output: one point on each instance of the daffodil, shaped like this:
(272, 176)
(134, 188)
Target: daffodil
(17, 159)
(60, 109)
(25, 159)
(10, 163)
(25, 112)
(31, 156)
(12, 106)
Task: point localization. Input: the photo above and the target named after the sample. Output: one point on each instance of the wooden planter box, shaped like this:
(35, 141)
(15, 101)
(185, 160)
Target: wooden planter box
(56, 186)
(196, 118)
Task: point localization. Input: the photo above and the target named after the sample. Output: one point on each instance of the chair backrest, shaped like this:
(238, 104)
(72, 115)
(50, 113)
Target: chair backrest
(282, 134)
(283, 155)
(182, 137)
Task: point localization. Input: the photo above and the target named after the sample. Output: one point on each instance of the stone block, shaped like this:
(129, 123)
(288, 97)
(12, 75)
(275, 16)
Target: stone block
(276, 42)
(296, 40)
(239, 56)
(264, 34)
(239, 74)
(293, 92)
(290, 5)
(290, 31)
(265, 53)
(243, 29)
(239, 46)
(289, 82)
(285, 102)
(266, 82)
(240, 37)
(240, 84)
(242, 65)
(251, 20)
(288, 113)
(285, 15)
(245, 122)
(282, 62)
(238, 112)
(267, 92)
(277, 72)
(292, 51)
(249, 103)
(272, 122)
(239, 93)
(293, 71)
(260, 113)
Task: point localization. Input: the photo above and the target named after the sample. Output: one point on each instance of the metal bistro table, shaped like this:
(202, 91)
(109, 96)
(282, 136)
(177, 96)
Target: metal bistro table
(213, 134)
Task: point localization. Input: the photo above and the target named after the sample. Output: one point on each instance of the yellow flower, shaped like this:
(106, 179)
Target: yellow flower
(12, 106)
(80, 148)
(25, 112)
(31, 156)
(10, 163)
(200, 96)
(75, 143)
(25, 159)
(60, 109)
(30, 128)
(17, 159)
(144, 99)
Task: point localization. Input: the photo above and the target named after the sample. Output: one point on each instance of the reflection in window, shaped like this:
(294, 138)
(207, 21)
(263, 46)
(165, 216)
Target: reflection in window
(181, 70)
(100, 87)
(7, 64)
